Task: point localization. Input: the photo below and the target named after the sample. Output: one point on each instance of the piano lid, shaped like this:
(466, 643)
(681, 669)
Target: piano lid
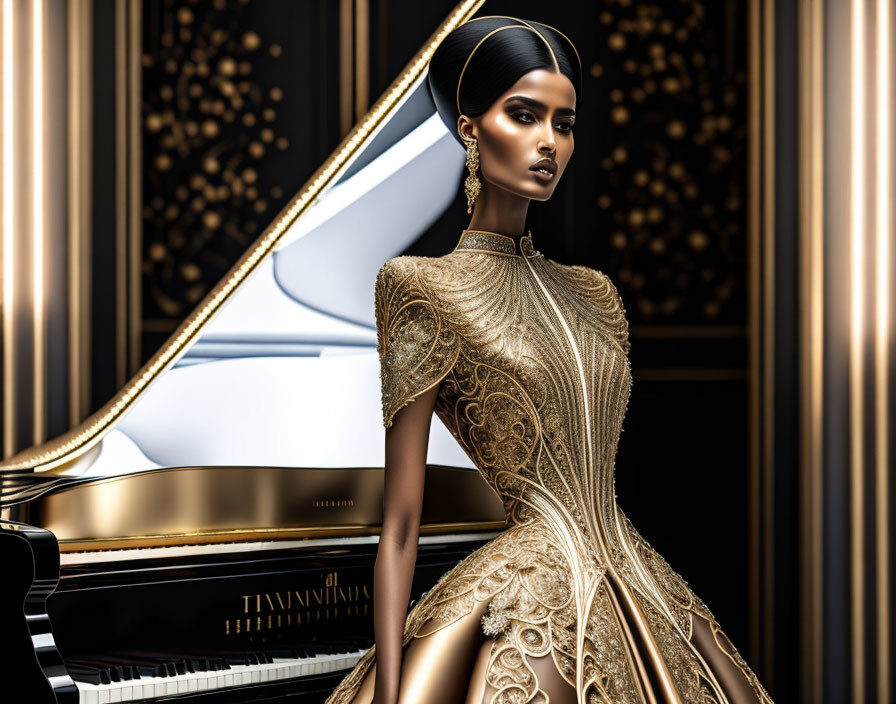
(277, 365)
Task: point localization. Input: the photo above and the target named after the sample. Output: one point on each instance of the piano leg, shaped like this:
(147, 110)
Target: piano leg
(31, 664)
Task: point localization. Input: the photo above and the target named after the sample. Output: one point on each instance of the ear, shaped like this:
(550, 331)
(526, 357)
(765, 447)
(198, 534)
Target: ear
(466, 129)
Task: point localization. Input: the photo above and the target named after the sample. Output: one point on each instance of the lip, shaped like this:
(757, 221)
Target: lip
(549, 165)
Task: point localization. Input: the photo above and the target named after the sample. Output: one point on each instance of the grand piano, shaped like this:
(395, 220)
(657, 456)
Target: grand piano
(210, 533)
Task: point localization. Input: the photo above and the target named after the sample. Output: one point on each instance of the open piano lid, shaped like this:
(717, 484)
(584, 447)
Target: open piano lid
(276, 369)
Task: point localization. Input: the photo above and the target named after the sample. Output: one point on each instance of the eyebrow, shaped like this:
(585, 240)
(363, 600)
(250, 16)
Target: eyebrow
(538, 105)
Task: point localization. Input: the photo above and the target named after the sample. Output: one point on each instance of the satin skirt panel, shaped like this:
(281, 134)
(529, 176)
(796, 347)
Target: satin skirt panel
(500, 627)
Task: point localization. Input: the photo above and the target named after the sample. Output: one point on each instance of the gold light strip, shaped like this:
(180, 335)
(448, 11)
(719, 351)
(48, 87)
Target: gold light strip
(754, 323)
(121, 195)
(761, 339)
(362, 57)
(38, 226)
(768, 338)
(79, 160)
(346, 66)
(135, 186)
(74, 209)
(9, 219)
(857, 201)
(883, 194)
(811, 134)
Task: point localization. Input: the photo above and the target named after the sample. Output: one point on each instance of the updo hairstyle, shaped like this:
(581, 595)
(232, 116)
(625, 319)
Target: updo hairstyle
(484, 57)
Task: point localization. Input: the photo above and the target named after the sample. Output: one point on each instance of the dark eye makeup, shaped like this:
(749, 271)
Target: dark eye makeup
(526, 118)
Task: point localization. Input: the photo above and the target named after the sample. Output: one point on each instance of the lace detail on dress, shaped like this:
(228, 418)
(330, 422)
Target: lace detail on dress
(416, 348)
(487, 241)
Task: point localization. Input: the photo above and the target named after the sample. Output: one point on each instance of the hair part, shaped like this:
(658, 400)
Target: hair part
(481, 59)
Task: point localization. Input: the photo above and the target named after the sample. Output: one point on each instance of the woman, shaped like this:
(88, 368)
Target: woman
(525, 361)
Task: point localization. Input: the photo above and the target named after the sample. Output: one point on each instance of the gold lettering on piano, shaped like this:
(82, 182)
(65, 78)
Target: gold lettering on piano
(332, 601)
(332, 503)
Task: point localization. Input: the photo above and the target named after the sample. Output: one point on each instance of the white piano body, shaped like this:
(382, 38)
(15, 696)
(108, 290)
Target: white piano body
(286, 373)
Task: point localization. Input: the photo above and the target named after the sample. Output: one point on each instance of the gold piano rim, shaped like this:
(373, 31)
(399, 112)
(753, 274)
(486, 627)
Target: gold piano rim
(242, 536)
(80, 482)
(64, 449)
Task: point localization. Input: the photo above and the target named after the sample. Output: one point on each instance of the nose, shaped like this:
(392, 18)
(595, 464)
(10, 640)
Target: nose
(547, 144)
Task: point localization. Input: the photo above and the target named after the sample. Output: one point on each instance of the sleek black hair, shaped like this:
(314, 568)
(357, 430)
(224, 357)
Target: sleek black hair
(487, 55)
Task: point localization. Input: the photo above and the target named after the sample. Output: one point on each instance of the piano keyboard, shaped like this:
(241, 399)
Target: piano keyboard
(133, 676)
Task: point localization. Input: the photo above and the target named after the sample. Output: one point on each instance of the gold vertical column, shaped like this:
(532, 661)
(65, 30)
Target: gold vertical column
(121, 194)
(769, 237)
(362, 58)
(79, 199)
(753, 320)
(38, 221)
(857, 225)
(346, 66)
(7, 253)
(761, 227)
(354, 62)
(883, 192)
(135, 184)
(811, 292)
(128, 189)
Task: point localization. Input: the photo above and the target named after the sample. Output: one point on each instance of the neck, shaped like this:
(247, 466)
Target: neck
(500, 211)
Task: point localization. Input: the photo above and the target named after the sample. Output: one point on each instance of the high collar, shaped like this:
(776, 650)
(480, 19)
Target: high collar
(484, 241)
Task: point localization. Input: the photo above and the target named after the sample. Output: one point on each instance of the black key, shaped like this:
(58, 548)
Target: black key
(106, 672)
(84, 673)
(236, 658)
(290, 653)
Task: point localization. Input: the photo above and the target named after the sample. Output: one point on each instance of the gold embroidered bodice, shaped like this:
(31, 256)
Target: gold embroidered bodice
(531, 359)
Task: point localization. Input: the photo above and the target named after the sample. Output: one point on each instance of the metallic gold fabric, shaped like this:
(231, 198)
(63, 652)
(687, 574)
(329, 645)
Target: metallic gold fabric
(532, 360)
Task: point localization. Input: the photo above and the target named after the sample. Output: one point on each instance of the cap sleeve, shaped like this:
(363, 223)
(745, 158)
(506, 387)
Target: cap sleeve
(416, 349)
(616, 312)
(607, 303)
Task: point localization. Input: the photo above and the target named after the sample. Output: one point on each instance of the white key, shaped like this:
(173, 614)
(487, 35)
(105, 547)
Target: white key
(237, 675)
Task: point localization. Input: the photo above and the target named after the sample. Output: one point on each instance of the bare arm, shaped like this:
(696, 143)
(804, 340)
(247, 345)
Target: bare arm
(406, 443)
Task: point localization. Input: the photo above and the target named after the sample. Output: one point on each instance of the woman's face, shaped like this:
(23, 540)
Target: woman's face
(525, 138)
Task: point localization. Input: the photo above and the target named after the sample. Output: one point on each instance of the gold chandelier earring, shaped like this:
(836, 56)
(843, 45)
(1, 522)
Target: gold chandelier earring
(472, 186)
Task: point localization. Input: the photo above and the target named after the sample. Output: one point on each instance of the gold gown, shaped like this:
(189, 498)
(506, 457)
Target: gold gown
(535, 381)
